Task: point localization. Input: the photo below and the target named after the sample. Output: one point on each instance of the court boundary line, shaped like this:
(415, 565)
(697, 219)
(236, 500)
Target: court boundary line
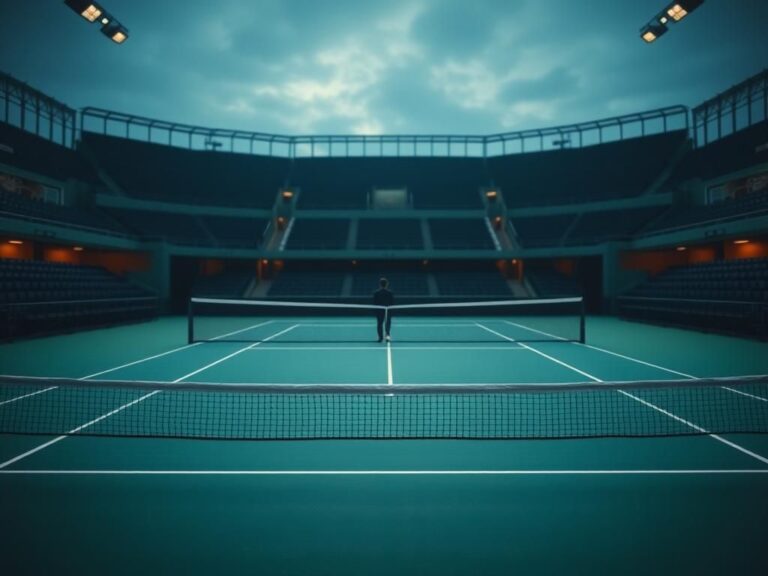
(132, 402)
(139, 361)
(17, 398)
(511, 472)
(717, 437)
(637, 360)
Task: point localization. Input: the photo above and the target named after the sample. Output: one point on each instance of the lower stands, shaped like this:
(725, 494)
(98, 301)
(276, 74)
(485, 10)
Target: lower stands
(43, 297)
(228, 284)
(413, 283)
(727, 296)
(307, 284)
(401, 283)
(474, 284)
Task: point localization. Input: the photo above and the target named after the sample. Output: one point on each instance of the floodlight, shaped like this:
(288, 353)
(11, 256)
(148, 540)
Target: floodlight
(651, 32)
(679, 10)
(91, 11)
(115, 31)
(287, 195)
(741, 241)
(491, 194)
(16, 242)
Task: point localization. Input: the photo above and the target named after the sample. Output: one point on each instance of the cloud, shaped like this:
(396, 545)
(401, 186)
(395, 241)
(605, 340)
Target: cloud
(383, 66)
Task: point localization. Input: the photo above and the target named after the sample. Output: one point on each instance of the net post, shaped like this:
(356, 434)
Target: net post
(582, 324)
(190, 324)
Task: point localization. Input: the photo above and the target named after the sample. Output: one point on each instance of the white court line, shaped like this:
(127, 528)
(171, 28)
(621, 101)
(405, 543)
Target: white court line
(136, 401)
(637, 360)
(17, 398)
(107, 371)
(575, 472)
(540, 353)
(389, 364)
(228, 334)
(367, 326)
(644, 402)
(280, 348)
(141, 360)
(753, 396)
(524, 327)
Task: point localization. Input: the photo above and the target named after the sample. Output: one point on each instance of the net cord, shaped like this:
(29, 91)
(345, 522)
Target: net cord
(373, 307)
(383, 389)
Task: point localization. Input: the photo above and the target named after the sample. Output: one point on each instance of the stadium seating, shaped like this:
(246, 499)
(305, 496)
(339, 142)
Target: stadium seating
(604, 225)
(620, 169)
(549, 282)
(43, 157)
(172, 227)
(735, 152)
(18, 204)
(186, 176)
(745, 206)
(540, 231)
(38, 297)
(460, 233)
(730, 295)
(391, 233)
(474, 284)
(235, 231)
(338, 183)
(228, 284)
(310, 234)
(307, 284)
(401, 283)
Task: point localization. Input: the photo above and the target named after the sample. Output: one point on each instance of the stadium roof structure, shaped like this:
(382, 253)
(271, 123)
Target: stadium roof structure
(572, 135)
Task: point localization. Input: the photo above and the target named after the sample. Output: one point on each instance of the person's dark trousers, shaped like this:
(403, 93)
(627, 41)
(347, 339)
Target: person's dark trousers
(380, 316)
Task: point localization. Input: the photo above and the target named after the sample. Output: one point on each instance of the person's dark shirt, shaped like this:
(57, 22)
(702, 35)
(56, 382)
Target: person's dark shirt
(383, 297)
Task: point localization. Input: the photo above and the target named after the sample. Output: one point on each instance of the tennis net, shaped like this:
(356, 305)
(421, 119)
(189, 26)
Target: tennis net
(525, 320)
(297, 412)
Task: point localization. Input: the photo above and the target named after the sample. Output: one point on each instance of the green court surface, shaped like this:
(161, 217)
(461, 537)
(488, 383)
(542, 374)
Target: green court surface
(96, 505)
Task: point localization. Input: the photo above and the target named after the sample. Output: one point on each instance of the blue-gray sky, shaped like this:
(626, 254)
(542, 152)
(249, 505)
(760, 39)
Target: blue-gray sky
(382, 66)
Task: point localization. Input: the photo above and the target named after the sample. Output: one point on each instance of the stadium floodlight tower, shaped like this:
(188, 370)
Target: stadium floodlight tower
(674, 12)
(92, 12)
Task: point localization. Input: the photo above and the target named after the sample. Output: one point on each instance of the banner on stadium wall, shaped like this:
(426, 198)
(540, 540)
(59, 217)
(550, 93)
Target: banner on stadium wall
(30, 188)
(738, 187)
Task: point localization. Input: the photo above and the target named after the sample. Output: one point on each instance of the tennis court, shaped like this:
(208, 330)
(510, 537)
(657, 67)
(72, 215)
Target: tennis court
(690, 504)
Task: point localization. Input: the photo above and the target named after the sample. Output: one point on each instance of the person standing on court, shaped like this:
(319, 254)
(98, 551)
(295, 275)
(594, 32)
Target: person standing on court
(383, 297)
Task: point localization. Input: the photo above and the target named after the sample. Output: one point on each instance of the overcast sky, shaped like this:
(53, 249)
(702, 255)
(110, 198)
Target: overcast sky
(382, 66)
